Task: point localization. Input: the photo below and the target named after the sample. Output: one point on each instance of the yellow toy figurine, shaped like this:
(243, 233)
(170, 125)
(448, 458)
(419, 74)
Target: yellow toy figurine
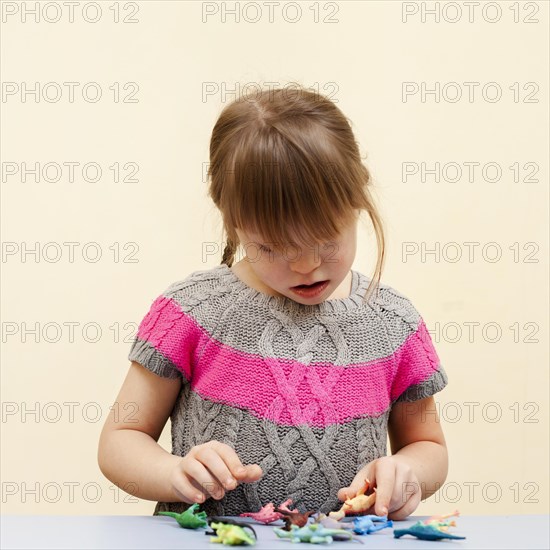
(358, 505)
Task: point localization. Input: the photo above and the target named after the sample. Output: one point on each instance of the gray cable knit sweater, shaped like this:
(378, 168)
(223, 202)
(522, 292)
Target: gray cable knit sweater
(305, 391)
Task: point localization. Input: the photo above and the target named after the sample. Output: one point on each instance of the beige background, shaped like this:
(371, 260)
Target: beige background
(49, 466)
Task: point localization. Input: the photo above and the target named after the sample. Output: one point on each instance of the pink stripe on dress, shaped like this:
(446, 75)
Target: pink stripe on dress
(282, 390)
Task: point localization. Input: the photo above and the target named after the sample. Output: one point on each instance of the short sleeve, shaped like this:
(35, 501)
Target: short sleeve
(167, 339)
(418, 372)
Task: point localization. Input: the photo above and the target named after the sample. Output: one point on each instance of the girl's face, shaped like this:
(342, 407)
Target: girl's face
(277, 270)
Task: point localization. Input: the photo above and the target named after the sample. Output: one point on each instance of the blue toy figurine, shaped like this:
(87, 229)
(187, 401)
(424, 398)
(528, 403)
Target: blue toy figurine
(433, 528)
(365, 525)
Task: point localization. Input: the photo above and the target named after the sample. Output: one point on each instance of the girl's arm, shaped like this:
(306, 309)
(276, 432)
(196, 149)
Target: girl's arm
(128, 452)
(416, 438)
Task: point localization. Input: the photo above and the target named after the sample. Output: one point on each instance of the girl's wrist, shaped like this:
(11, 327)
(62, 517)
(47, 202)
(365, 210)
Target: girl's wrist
(169, 469)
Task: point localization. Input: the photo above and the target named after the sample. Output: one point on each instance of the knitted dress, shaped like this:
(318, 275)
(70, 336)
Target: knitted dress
(304, 391)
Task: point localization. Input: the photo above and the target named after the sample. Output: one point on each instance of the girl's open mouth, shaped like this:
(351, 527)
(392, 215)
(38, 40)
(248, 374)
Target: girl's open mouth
(309, 291)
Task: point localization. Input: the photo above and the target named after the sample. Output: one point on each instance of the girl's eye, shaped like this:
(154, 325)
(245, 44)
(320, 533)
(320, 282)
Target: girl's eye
(264, 248)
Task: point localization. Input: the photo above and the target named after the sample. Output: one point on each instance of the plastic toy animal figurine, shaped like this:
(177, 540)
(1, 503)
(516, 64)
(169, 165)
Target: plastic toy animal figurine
(267, 514)
(231, 521)
(433, 528)
(293, 517)
(441, 520)
(331, 523)
(357, 505)
(314, 533)
(365, 525)
(228, 533)
(285, 506)
(189, 519)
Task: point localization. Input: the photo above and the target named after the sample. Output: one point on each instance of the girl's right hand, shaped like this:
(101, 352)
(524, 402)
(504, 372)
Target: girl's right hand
(208, 470)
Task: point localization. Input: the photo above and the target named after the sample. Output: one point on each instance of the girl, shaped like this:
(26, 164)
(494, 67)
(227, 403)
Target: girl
(284, 372)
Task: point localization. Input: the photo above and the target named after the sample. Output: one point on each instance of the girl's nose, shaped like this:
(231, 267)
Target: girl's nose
(304, 260)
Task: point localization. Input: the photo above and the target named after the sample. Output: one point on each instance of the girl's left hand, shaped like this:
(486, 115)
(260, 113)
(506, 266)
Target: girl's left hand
(398, 491)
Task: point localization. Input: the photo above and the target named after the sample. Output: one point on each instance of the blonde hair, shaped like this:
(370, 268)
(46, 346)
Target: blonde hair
(285, 163)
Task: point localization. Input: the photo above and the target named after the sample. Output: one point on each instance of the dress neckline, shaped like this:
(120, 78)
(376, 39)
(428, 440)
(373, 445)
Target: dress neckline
(359, 284)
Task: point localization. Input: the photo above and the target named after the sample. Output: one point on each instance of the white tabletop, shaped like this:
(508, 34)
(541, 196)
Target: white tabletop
(144, 532)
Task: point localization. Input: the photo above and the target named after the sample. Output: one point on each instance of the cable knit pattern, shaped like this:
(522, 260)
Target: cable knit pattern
(305, 391)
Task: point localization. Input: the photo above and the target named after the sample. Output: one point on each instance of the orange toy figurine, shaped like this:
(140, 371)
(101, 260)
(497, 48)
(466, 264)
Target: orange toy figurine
(358, 505)
(440, 521)
(293, 517)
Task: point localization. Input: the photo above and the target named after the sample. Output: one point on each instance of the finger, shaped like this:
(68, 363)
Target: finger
(357, 484)
(234, 464)
(344, 493)
(408, 508)
(203, 479)
(211, 459)
(384, 475)
(184, 487)
(211, 489)
(407, 490)
(253, 473)
(348, 492)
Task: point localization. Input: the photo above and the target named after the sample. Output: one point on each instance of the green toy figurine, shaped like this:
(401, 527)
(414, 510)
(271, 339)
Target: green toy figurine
(188, 519)
(233, 535)
(314, 533)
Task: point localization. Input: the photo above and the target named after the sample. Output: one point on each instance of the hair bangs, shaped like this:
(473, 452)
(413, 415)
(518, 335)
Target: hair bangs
(286, 193)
